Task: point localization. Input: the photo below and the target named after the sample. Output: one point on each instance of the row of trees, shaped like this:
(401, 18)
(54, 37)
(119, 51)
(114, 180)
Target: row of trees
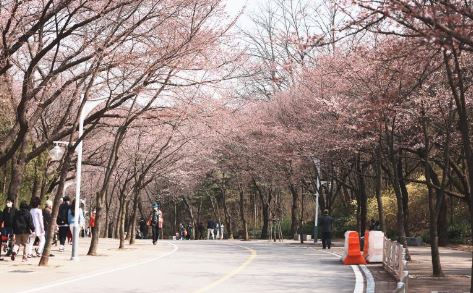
(382, 98)
(377, 91)
(146, 59)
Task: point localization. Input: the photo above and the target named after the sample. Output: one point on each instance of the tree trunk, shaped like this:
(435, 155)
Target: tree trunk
(379, 199)
(405, 196)
(37, 181)
(18, 169)
(242, 214)
(363, 198)
(394, 161)
(121, 224)
(127, 219)
(191, 215)
(107, 224)
(134, 218)
(458, 92)
(118, 219)
(228, 220)
(294, 209)
(44, 184)
(264, 230)
(443, 223)
(434, 239)
(99, 201)
(433, 214)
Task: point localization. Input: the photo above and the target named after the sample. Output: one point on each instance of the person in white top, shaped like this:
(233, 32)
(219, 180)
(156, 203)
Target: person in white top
(39, 232)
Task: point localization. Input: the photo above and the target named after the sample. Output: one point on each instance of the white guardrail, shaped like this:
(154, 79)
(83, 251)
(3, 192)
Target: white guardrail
(394, 262)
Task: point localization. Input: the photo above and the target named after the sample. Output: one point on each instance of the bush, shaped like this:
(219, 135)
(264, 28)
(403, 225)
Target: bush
(459, 232)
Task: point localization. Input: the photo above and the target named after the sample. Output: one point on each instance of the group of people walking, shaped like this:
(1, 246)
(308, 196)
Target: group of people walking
(214, 230)
(28, 225)
(21, 227)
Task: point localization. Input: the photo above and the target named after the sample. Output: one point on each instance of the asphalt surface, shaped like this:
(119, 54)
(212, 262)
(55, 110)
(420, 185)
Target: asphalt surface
(216, 266)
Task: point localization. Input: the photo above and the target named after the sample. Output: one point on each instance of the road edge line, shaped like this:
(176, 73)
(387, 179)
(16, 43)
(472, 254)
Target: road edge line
(370, 282)
(359, 279)
(100, 273)
(360, 276)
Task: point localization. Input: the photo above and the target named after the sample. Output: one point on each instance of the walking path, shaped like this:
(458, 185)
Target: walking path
(184, 266)
(456, 266)
(235, 266)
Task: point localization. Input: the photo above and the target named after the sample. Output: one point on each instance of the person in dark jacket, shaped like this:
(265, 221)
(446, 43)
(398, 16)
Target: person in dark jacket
(143, 228)
(6, 224)
(153, 221)
(325, 224)
(200, 230)
(63, 222)
(210, 229)
(22, 228)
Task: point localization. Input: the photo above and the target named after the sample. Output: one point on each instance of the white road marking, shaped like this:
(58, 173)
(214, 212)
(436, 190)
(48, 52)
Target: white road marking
(85, 277)
(359, 284)
(231, 273)
(370, 284)
(359, 279)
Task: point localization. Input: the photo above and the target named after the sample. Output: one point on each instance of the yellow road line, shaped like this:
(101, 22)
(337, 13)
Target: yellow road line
(231, 273)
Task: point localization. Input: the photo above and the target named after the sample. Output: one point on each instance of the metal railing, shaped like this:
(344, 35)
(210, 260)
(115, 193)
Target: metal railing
(394, 262)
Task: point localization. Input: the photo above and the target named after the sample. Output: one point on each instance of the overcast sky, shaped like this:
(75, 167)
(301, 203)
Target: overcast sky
(235, 6)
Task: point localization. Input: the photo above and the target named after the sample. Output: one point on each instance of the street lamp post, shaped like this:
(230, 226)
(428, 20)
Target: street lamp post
(88, 107)
(57, 152)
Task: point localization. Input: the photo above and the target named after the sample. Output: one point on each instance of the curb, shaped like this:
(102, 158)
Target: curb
(362, 276)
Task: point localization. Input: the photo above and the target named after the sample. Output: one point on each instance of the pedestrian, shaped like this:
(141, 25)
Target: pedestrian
(217, 230)
(221, 231)
(22, 228)
(63, 222)
(92, 222)
(210, 229)
(189, 231)
(182, 232)
(372, 225)
(325, 224)
(143, 228)
(6, 225)
(153, 221)
(72, 218)
(200, 231)
(160, 223)
(301, 231)
(83, 226)
(37, 215)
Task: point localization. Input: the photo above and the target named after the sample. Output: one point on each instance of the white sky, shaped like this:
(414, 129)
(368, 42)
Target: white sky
(233, 7)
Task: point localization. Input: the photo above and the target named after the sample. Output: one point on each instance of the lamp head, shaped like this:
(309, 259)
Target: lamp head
(56, 153)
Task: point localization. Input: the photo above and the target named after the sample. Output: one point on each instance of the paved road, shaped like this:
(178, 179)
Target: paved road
(218, 266)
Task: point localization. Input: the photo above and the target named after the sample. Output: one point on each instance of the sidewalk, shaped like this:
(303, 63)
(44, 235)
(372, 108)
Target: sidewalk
(456, 266)
(22, 275)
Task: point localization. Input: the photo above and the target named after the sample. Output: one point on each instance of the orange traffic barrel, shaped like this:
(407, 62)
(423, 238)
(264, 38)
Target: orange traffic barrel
(352, 254)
